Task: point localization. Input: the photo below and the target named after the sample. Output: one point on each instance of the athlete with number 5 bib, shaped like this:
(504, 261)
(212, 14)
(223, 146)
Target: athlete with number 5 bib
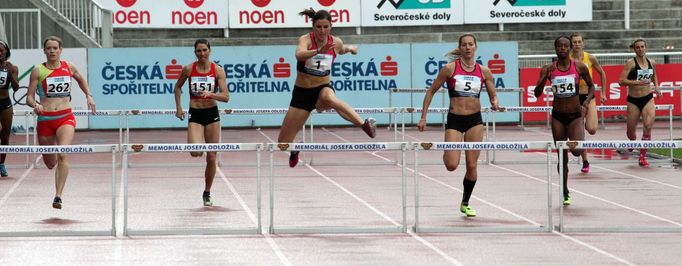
(9, 74)
(567, 112)
(465, 79)
(207, 85)
(52, 81)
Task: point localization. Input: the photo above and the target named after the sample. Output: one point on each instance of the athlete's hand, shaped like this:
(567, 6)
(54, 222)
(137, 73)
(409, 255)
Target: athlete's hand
(91, 104)
(180, 114)
(206, 94)
(494, 105)
(326, 47)
(644, 81)
(352, 49)
(422, 125)
(657, 93)
(603, 98)
(38, 109)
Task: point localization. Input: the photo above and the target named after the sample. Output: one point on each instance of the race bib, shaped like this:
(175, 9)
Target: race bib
(563, 86)
(3, 77)
(321, 63)
(645, 74)
(199, 84)
(58, 87)
(466, 85)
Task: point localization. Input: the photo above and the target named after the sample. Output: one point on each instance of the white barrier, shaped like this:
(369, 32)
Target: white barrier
(562, 145)
(70, 149)
(204, 147)
(335, 147)
(442, 146)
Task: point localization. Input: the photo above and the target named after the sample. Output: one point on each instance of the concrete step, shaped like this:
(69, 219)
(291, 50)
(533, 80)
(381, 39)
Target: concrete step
(635, 4)
(601, 46)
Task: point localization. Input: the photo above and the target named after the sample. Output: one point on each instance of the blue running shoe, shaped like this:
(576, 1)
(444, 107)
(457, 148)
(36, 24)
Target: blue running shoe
(3, 170)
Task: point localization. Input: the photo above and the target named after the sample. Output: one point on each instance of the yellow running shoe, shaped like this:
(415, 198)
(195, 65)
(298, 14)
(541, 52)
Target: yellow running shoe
(567, 200)
(467, 210)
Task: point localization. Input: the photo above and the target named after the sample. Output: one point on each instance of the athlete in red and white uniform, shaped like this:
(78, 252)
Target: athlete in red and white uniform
(207, 86)
(315, 53)
(465, 79)
(52, 81)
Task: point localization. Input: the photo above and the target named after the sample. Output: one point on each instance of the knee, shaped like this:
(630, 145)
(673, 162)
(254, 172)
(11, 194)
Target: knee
(577, 152)
(591, 131)
(451, 166)
(196, 154)
(50, 164)
(632, 135)
(472, 167)
(211, 157)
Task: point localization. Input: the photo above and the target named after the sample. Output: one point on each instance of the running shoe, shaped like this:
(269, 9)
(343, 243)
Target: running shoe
(3, 170)
(586, 167)
(207, 199)
(57, 203)
(464, 208)
(293, 158)
(567, 200)
(643, 162)
(370, 127)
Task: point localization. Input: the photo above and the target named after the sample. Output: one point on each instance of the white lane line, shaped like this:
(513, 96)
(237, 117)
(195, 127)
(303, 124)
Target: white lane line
(598, 250)
(18, 182)
(386, 217)
(638, 177)
(271, 242)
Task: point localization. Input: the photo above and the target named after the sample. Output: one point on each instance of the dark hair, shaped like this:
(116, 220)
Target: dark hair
(204, 41)
(316, 15)
(632, 45)
(556, 41)
(465, 35)
(52, 38)
(9, 53)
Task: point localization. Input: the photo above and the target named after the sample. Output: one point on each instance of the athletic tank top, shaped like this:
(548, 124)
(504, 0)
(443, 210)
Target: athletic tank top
(54, 83)
(564, 83)
(4, 78)
(199, 82)
(639, 73)
(465, 84)
(588, 63)
(319, 65)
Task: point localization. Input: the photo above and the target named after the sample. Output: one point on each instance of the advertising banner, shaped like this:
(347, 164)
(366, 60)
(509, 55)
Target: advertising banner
(25, 60)
(284, 14)
(411, 12)
(500, 57)
(259, 77)
(617, 95)
(207, 14)
(524, 11)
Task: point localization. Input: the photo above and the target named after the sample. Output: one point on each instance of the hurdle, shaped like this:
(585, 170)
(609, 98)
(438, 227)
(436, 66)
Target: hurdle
(563, 145)
(216, 147)
(442, 146)
(70, 149)
(546, 109)
(336, 147)
(28, 115)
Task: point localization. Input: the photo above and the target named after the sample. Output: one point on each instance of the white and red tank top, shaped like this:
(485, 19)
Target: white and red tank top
(319, 65)
(564, 83)
(465, 84)
(199, 82)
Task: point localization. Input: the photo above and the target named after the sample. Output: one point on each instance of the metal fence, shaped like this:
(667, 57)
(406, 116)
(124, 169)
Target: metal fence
(22, 27)
(534, 61)
(88, 16)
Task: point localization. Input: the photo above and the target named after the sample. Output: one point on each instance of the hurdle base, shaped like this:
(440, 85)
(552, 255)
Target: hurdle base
(194, 231)
(58, 233)
(618, 229)
(337, 230)
(481, 229)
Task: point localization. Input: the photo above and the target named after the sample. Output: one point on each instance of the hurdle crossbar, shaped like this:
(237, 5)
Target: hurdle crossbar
(70, 149)
(563, 145)
(443, 146)
(209, 147)
(336, 147)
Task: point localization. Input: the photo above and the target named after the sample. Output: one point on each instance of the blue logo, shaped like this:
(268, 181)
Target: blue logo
(416, 4)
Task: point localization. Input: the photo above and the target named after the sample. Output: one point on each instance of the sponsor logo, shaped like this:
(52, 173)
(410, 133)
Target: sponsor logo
(283, 146)
(426, 145)
(137, 147)
(533, 2)
(415, 4)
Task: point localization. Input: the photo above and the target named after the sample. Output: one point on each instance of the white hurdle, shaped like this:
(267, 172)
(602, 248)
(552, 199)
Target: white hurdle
(442, 146)
(217, 147)
(562, 227)
(335, 147)
(70, 149)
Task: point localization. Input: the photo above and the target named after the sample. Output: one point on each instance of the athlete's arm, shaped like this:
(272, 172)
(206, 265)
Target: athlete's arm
(602, 77)
(490, 87)
(302, 52)
(13, 76)
(31, 94)
(443, 75)
(179, 113)
(654, 78)
(84, 86)
(343, 49)
(222, 95)
(544, 75)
